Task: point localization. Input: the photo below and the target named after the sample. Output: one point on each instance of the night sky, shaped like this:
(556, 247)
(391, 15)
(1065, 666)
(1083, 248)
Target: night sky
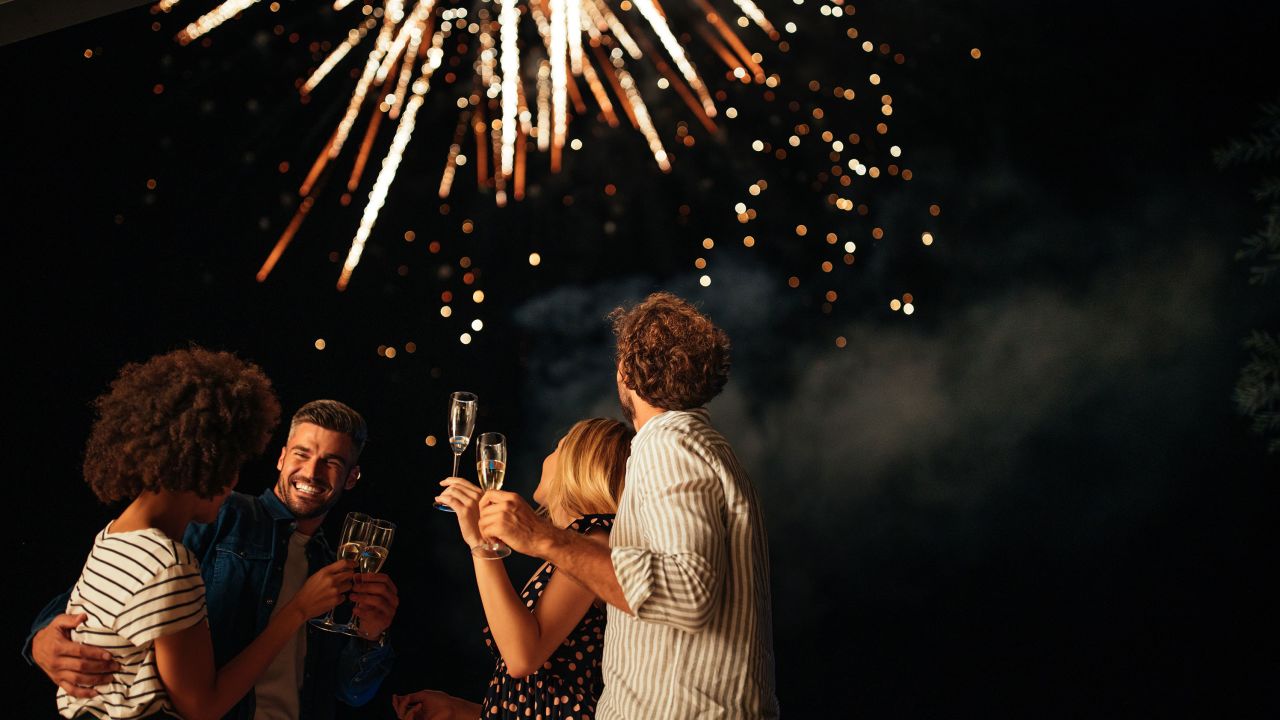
(1031, 497)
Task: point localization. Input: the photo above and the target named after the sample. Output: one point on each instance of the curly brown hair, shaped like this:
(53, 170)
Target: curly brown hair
(673, 356)
(183, 421)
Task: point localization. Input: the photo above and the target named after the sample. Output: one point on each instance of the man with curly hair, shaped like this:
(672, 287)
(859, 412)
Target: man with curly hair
(256, 553)
(686, 573)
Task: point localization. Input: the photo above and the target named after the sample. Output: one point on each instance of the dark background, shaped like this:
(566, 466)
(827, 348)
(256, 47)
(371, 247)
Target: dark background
(1032, 497)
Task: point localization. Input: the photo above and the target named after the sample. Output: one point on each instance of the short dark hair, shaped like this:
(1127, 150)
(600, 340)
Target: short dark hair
(673, 356)
(335, 416)
(185, 421)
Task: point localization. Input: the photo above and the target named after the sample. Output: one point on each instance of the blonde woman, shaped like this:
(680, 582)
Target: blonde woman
(549, 638)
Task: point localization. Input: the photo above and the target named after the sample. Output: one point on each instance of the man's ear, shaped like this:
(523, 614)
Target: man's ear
(353, 477)
(280, 460)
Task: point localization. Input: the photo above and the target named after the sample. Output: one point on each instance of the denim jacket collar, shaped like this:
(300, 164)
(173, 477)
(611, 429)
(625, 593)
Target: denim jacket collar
(274, 507)
(277, 511)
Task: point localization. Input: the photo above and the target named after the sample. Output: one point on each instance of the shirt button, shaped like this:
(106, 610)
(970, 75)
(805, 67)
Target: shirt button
(271, 601)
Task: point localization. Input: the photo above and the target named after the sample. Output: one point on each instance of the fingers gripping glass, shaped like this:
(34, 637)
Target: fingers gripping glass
(376, 549)
(355, 535)
(462, 422)
(491, 466)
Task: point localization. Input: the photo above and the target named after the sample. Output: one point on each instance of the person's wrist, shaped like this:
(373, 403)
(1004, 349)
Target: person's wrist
(549, 540)
(459, 708)
(377, 640)
(294, 610)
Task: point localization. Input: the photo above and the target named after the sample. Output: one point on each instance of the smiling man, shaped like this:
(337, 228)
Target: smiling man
(258, 552)
(317, 464)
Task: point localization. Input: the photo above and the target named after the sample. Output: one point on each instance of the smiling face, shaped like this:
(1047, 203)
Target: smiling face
(316, 466)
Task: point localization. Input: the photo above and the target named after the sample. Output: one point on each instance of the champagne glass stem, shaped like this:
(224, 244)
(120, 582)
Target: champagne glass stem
(353, 625)
(440, 506)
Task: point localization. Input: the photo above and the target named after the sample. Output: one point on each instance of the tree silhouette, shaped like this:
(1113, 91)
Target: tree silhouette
(1257, 392)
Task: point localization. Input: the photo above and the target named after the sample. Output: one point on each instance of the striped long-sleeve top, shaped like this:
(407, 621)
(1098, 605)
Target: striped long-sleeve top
(135, 587)
(689, 549)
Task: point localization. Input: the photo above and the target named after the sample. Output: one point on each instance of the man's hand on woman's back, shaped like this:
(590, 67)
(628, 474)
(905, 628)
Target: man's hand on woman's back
(73, 666)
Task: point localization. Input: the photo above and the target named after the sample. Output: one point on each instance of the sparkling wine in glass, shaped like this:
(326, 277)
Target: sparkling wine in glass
(374, 553)
(491, 466)
(355, 532)
(462, 422)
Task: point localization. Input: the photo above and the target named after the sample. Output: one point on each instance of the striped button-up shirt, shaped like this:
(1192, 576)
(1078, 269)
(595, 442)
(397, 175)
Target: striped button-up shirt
(690, 553)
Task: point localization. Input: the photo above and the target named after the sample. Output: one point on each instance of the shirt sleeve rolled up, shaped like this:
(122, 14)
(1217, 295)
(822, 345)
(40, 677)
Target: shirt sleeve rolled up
(675, 578)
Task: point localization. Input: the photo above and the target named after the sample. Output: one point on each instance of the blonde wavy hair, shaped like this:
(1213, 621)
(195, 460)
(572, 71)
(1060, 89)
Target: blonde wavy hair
(591, 468)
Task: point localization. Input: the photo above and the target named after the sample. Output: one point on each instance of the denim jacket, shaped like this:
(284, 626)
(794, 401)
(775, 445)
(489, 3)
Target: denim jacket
(242, 558)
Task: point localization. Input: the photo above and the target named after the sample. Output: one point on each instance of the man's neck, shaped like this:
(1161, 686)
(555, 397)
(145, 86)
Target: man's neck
(644, 413)
(310, 526)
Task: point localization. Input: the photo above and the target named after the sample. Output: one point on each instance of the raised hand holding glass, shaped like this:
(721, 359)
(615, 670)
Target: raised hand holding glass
(372, 556)
(352, 541)
(462, 422)
(491, 467)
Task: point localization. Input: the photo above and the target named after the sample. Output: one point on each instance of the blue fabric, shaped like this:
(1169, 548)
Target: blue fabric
(242, 558)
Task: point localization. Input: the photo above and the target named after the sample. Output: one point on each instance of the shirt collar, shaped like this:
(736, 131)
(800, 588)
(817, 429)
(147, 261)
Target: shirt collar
(275, 508)
(279, 513)
(663, 417)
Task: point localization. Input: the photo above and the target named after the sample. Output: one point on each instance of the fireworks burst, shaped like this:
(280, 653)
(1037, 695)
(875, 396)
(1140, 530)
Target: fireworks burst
(819, 140)
(567, 44)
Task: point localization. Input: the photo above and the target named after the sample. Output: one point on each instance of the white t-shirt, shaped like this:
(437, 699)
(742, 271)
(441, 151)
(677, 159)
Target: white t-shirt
(135, 587)
(277, 691)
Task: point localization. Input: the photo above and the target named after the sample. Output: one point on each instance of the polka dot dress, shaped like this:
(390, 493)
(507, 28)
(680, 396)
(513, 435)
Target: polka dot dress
(568, 684)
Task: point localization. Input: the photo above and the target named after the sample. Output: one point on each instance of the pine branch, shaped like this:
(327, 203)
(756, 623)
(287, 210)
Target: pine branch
(1248, 152)
(1263, 145)
(1264, 248)
(1268, 190)
(1258, 389)
(1267, 425)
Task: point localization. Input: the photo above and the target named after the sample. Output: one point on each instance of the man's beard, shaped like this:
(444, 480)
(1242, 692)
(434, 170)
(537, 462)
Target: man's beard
(306, 513)
(628, 407)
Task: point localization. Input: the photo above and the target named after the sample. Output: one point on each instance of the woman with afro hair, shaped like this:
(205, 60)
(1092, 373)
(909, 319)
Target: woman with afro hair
(170, 436)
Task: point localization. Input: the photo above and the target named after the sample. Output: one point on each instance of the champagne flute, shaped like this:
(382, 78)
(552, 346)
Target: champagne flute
(374, 553)
(491, 466)
(462, 422)
(355, 534)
